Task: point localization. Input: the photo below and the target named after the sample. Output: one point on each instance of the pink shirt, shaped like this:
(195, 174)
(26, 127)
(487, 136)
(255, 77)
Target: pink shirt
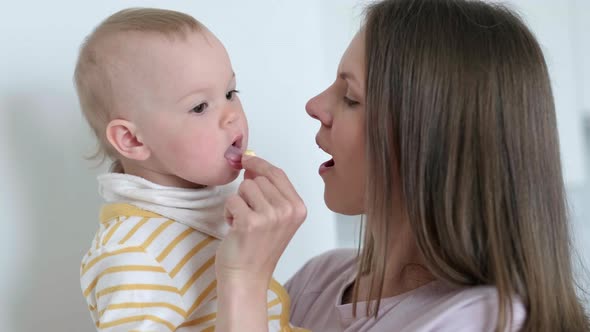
(316, 293)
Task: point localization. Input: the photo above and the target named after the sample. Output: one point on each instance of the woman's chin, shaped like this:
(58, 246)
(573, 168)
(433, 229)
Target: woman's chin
(342, 206)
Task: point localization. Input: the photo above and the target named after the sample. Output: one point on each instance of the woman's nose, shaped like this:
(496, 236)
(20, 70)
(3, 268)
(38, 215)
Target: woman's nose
(318, 108)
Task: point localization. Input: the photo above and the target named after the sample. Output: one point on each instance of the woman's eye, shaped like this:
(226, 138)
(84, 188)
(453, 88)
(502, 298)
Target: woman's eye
(350, 102)
(230, 94)
(199, 108)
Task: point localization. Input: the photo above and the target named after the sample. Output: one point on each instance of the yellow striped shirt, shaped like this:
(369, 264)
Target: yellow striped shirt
(145, 272)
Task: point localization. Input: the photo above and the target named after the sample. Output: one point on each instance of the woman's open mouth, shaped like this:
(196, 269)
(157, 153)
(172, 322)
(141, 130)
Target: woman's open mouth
(325, 167)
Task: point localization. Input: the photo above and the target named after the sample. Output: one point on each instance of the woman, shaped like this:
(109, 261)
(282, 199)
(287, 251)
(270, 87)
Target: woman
(442, 128)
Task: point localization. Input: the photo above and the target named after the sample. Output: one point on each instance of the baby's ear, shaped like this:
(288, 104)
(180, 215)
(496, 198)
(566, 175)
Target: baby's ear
(122, 135)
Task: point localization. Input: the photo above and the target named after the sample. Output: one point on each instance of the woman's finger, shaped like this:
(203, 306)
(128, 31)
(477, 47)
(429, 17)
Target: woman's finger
(277, 176)
(253, 196)
(271, 193)
(235, 208)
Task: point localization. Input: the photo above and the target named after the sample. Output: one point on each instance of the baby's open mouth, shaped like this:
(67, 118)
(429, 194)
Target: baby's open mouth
(234, 153)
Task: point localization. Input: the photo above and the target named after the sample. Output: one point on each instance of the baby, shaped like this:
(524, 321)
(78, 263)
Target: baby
(159, 92)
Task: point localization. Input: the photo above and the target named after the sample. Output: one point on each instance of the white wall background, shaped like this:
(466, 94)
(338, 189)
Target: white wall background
(580, 25)
(283, 52)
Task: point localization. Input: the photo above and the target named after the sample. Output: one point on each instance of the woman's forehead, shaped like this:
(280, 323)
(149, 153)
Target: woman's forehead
(352, 64)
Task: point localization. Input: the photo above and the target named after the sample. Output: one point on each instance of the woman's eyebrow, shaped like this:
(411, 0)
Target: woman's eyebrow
(346, 75)
(351, 79)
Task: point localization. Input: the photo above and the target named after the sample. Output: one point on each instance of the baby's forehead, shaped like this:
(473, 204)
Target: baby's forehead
(159, 65)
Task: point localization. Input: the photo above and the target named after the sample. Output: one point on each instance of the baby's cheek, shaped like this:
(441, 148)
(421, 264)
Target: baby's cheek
(203, 152)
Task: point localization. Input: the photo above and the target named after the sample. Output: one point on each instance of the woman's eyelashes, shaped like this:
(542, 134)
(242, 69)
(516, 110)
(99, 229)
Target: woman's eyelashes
(199, 109)
(350, 102)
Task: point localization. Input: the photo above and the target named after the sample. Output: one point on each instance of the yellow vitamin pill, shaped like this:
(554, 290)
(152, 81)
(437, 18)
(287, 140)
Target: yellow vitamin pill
(250, 153)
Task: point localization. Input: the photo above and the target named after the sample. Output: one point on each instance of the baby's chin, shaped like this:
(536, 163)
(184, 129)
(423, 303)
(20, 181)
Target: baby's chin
(220, 180)
(231, 178)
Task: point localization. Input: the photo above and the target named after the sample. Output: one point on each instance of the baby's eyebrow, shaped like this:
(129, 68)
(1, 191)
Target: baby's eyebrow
(189, 94)
(233, 76)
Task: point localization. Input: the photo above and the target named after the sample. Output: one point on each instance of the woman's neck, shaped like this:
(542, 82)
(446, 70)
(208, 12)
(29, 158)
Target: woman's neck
(405, 268)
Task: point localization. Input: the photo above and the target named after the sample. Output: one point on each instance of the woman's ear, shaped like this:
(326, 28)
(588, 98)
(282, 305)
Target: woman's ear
(122, 135)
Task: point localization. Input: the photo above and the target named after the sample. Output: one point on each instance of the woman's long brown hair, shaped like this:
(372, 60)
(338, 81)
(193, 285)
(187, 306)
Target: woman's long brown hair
(460, 109)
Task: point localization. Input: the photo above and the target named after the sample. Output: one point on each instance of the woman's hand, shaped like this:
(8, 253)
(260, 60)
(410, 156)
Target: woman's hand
(264, 215)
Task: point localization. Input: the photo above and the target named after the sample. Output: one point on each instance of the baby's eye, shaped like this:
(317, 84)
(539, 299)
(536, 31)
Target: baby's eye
(230, 94)
(199, 108)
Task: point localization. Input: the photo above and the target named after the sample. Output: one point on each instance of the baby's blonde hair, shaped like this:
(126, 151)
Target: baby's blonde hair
(94, 73)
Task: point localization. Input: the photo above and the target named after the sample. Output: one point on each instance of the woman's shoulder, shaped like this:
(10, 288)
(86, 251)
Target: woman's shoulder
(331, 262)
(324, 269)
(485, 299)
(450, 308)
(344, 257)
